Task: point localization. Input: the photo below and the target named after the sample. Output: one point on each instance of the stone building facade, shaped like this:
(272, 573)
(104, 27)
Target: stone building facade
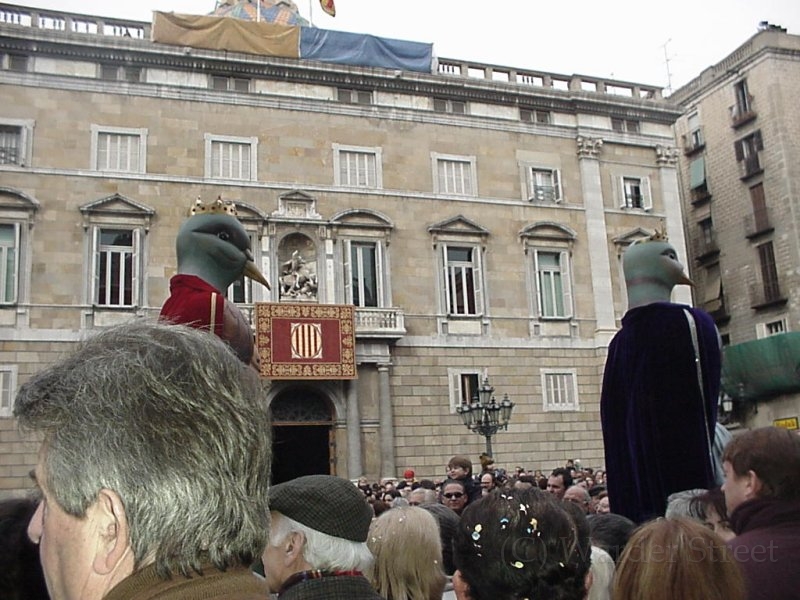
(740, 179)
(475, 215)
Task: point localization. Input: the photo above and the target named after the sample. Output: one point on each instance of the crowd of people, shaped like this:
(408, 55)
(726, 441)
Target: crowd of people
(152, 482)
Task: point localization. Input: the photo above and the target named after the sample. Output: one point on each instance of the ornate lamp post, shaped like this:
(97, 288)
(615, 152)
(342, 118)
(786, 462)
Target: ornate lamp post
(484, 415)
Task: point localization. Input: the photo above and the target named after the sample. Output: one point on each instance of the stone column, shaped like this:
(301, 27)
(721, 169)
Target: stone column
(386, 423)
(588, 155)
(355, 467)
(667, 161)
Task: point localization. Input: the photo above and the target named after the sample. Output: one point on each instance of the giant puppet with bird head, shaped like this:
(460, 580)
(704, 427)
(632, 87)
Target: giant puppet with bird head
(213, 251)
(660, 388)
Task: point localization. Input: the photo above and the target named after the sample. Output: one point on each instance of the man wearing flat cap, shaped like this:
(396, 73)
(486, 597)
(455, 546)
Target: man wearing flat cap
(317, 546)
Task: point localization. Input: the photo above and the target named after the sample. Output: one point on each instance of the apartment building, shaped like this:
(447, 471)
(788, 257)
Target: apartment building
(473, 214)
(740, 182)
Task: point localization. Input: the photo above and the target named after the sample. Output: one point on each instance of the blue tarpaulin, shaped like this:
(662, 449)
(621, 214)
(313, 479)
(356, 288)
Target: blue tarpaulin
(363, 50)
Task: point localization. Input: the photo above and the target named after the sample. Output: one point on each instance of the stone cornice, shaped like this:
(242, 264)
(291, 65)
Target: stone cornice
(144, 53)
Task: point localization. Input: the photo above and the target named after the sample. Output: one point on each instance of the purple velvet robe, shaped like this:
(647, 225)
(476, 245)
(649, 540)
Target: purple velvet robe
(656, 422)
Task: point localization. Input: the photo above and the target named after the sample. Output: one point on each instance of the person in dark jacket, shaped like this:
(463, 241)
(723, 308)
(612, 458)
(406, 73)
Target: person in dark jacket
(762, 495)
(460, 468)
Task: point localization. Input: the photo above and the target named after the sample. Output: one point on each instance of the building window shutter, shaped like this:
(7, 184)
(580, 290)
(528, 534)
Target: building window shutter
(647, 196)
(566, 284)
(757, 141)
(738, 150)
(697, 175)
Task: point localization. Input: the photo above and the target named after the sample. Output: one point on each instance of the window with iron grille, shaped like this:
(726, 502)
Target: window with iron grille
(747, 152)
(11, 145)
(544, 185)
(560, 390)
(635, 193)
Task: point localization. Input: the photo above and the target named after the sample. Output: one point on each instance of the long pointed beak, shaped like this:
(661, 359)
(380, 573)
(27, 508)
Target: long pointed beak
(683, 280)
(251, 271)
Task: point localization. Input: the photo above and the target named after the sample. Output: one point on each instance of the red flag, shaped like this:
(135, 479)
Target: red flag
(328, 6)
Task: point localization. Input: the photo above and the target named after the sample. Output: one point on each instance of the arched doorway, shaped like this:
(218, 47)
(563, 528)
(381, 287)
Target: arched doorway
(302, 435)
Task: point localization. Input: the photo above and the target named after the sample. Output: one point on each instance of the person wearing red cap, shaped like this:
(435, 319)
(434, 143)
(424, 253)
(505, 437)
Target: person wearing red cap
(408, 475)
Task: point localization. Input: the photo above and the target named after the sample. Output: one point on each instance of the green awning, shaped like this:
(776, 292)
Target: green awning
(762, 368)
(697, 172)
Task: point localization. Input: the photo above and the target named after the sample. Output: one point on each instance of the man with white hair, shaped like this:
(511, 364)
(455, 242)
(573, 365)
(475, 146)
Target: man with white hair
(317, 547)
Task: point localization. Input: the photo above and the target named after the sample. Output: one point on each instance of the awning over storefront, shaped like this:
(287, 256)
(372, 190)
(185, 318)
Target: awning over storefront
(762, 368)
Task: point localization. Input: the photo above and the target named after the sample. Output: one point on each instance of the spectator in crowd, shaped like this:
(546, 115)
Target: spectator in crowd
(601, 569)
(422, 496)
(682, 504)
(460, 468)
(408, 555)
(762, 495)
(524, 482)
(711, 507)
(580, 497)
(610, 532)
(488, 482)
(154, 467)
(21, 576)
(520, 544)
(602, 507)
(558, 482)
(454, 495)
(667, 559)
(448, 522)
(317, 543)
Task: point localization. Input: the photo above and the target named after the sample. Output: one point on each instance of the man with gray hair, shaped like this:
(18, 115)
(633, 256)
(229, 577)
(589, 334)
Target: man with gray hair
(153, 469)
(317, 547)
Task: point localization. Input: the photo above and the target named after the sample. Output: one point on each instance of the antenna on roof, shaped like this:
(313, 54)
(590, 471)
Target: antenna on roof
(666, 63)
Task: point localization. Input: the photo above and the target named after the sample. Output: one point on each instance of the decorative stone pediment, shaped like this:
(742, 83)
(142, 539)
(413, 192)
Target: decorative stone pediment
(547, 233)
(458, 227)
(361, 218)
(297, 205)
(117, 206)
(15, 203)
(631, 236)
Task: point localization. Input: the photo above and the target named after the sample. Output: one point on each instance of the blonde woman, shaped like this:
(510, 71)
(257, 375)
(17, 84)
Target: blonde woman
(677, 558)
(408, 555)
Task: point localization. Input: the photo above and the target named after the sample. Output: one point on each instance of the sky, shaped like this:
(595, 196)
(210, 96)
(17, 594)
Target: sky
(665, 43)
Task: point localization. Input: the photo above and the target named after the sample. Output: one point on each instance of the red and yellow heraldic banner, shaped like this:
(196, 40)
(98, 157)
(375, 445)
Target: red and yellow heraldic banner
(306, 341)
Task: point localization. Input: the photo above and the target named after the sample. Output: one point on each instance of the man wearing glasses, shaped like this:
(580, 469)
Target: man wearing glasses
(454, 495)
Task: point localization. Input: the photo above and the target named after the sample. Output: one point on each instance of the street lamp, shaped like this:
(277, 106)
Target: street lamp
(484, 415)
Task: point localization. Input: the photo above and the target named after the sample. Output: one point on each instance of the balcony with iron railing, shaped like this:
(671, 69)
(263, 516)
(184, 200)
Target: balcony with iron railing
(694, 141)
(766, 295)
(758, 223)
(9, 155)
(544, 193)
(705, 246)
(742, 112)
(370, 323)
(750, 166)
